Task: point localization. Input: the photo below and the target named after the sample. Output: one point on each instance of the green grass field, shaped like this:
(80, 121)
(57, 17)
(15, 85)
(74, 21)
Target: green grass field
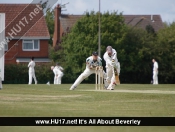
(57, 100)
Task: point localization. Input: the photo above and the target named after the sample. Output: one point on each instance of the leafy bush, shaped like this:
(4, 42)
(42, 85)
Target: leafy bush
(18, 74)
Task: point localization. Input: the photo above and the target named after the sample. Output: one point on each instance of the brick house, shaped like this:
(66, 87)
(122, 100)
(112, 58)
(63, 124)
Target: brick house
(63, 23)
(26, 33)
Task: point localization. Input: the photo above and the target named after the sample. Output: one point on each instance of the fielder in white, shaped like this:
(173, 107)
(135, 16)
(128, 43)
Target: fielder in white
(155, 71)
(91, 63)
(57, 70)
(60, 72)
(31, 66)
(112, 63)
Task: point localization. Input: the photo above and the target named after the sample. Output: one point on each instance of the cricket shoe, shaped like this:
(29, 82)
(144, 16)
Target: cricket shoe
(111, 87)
(72, 88)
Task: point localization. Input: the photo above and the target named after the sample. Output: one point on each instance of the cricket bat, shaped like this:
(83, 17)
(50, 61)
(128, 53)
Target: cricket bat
(117, 77)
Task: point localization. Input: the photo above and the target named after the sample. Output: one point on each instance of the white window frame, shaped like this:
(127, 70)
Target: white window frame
(32, 40)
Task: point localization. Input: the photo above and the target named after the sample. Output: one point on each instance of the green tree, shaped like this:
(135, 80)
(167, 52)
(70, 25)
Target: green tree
(44, 3)
(135, 48)
(150, 29)
(50, 23)
(165, 53)
(83, 40)
(134, 54)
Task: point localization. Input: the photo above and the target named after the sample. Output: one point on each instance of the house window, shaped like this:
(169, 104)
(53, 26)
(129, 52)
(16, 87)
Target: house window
(31, 45)
(6, 47)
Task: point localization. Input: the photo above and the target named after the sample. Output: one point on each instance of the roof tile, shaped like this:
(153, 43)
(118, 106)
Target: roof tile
(19, 17)
(134, 20)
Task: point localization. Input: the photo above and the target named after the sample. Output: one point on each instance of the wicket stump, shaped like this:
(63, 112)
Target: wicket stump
(99, 78)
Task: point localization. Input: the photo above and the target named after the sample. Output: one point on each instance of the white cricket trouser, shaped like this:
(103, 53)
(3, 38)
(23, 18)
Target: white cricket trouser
(111, 74)
(87, 72)
(32, 75)
(57, 79)
(155, 77)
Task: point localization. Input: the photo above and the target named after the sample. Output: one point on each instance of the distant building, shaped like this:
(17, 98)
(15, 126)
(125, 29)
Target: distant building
(26, 23)
(63, 23)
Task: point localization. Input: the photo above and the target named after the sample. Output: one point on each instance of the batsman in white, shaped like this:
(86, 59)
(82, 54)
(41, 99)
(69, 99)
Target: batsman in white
(112, 63)
(155, 71)
(91, 63)
(31, 66)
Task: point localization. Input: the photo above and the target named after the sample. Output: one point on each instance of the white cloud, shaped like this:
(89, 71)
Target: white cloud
(80, 6)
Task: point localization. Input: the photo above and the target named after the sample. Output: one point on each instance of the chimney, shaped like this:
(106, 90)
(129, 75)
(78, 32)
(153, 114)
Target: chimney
(56, 35)
(152, 19)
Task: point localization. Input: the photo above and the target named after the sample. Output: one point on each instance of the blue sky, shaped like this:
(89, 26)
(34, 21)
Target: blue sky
(165, 8)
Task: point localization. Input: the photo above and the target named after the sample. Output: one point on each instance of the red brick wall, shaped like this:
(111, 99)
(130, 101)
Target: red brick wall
(10, 55)
(16, 51)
